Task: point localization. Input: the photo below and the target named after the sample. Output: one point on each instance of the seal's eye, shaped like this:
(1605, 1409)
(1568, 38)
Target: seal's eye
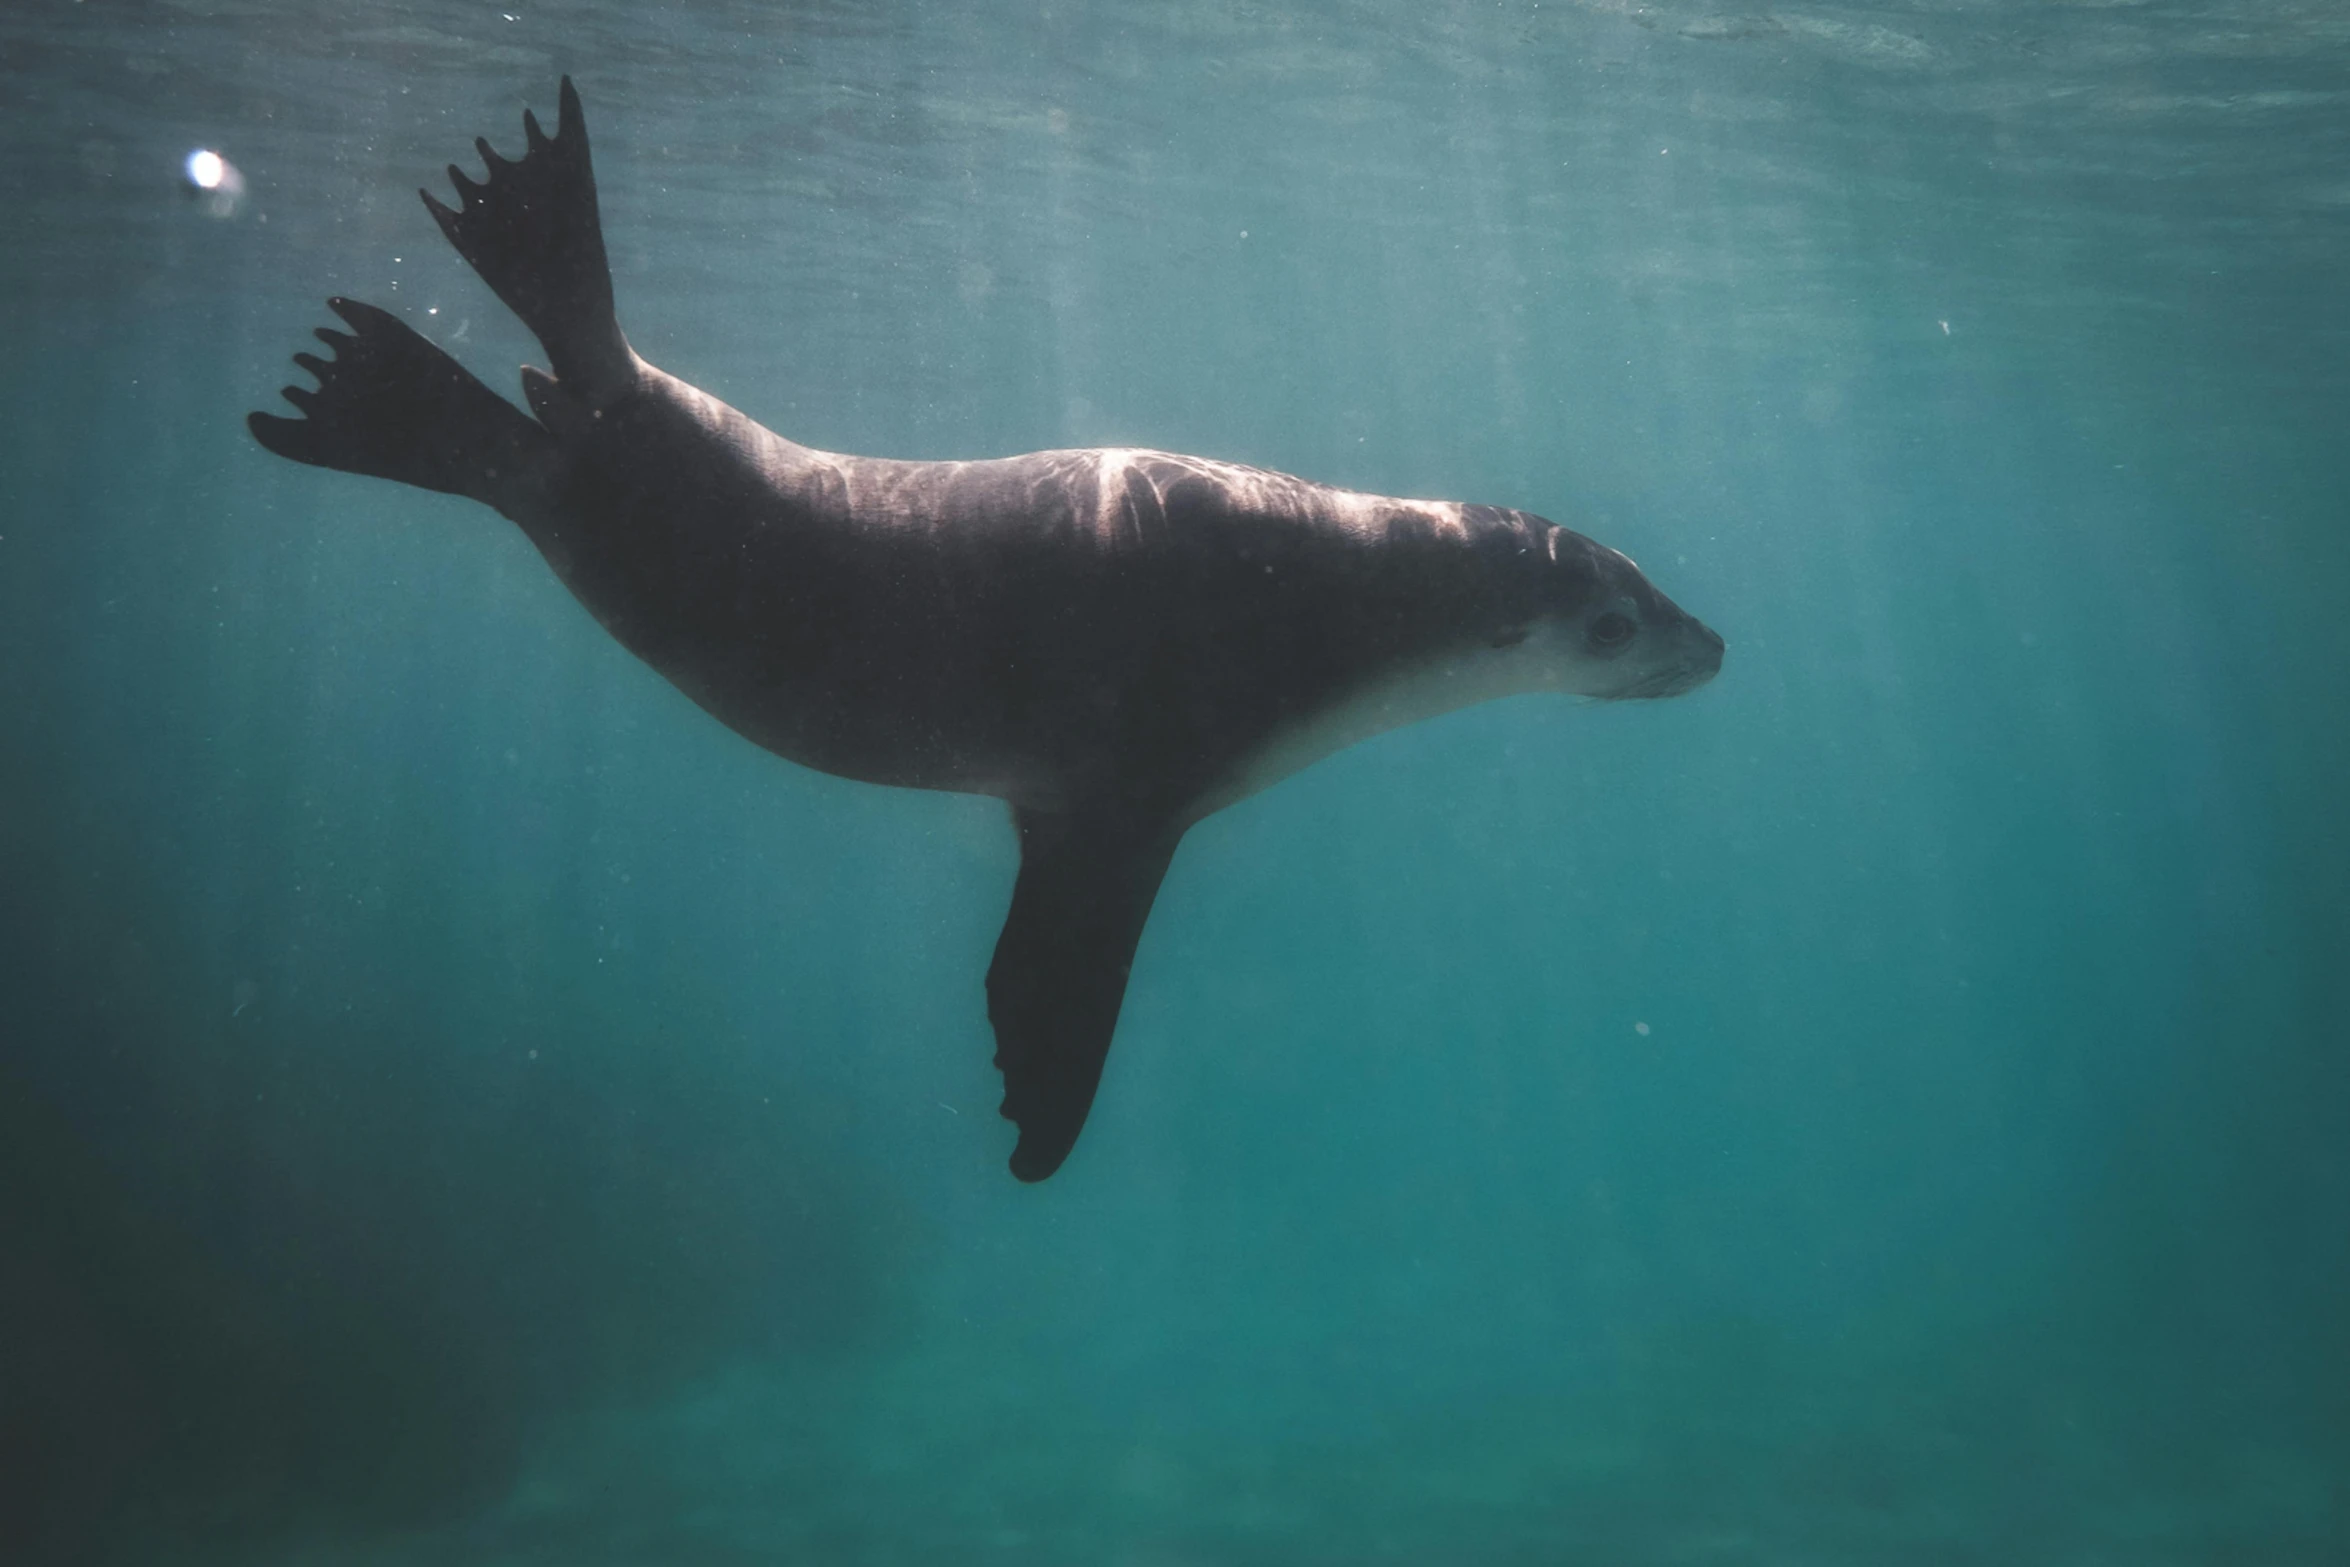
(1611, 631)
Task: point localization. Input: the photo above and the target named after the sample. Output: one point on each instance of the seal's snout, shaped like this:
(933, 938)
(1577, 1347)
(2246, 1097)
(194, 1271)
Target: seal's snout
(1708, 660)
(1701, 659)
(1695, 660)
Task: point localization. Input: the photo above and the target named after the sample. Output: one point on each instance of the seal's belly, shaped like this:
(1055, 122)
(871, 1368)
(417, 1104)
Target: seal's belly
(863, 719)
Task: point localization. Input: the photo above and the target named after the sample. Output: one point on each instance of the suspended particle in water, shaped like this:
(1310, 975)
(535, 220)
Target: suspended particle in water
(1641, 1029)
(214, 183)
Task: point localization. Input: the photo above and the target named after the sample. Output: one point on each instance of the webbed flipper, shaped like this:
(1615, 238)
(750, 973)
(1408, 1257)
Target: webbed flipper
(533, 233)
(1087, 879)
(392, 405)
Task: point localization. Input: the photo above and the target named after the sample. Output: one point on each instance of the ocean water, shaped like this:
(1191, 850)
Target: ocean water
(461, 1105)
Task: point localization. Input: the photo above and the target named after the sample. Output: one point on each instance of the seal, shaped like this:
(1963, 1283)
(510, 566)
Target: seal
(1117, 642)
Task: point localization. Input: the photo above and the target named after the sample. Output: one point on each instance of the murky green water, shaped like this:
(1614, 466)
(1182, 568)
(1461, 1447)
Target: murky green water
(461, 1105)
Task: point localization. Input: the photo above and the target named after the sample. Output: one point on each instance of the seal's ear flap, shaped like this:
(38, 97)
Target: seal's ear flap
(1087, 879)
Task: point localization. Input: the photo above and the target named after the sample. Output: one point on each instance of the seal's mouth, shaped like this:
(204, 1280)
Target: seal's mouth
(1666, 682)
(1701, 663)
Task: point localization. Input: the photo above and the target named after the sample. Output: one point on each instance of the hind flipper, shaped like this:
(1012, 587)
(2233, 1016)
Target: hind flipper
(391, 405)
(1087, 881)
(533, 233)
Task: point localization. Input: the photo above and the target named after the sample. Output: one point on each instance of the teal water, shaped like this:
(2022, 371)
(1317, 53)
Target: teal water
(458, 1104)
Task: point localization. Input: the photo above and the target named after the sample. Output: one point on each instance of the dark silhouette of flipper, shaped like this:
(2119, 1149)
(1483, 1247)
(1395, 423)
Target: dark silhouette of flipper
(1086, 883)
(392, 405)
(533, 233)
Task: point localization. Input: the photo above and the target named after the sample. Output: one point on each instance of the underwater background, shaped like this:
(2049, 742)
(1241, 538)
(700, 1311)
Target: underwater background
(459, 1104)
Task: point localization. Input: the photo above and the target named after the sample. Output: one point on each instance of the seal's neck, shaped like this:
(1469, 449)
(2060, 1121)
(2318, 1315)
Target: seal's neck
(1444, 683)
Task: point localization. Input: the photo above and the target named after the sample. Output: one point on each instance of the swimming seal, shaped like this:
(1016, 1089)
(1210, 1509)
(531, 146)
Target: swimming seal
(1118, 642)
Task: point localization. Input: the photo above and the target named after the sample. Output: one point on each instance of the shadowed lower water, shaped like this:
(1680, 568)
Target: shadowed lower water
(460, 1104)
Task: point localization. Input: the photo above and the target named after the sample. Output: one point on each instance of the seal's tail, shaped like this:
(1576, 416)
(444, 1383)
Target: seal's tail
(394, 406)
(533, 234)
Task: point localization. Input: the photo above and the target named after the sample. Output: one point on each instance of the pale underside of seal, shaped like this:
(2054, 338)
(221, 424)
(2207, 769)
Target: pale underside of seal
(1117, 642)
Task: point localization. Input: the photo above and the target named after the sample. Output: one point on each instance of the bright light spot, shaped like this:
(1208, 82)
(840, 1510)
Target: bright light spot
(1945, 326)
(214, 183)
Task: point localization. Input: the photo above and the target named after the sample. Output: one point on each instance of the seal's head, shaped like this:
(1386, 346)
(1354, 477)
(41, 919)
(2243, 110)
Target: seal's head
(1610, 634)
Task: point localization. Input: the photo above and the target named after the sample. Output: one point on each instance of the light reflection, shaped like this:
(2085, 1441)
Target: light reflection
(218, 189)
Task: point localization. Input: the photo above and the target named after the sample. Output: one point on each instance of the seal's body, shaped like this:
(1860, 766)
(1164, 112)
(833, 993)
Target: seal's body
(1118, 642)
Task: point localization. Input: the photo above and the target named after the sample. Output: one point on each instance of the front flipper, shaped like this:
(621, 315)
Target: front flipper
(1086, 883)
